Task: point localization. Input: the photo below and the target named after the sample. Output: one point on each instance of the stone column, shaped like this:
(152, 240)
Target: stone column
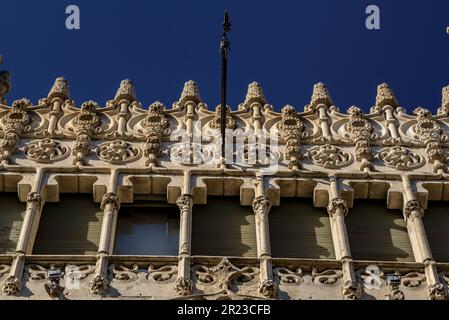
(323, 120)
(261, 208)
(13, 284)
(338, 210)
(183, 285)
(110, 206)
(391, 122)
(413, 213)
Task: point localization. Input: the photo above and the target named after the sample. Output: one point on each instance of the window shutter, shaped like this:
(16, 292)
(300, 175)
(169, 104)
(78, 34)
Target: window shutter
(223, 228)
(11, 219)
(377, 233)
(436, 222)
(70, 227)
(299, 230)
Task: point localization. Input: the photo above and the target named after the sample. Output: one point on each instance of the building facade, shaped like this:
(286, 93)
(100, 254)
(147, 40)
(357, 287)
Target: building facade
(126, 202)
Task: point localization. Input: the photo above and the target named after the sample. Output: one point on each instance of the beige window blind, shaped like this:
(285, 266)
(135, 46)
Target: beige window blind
(377, 233)
(223, 228)
(11, 219)
(70, 227)
(436, 222)
(299, 230)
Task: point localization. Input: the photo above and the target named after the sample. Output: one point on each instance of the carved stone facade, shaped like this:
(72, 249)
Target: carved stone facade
(122, 150)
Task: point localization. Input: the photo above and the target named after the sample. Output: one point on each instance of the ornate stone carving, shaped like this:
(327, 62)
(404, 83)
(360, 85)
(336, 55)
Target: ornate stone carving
(430, 133)
(190, 92)
(118, 152)
(287, 276)
(86, 124)
(76, 273)
(444, 109)
(385, 96)
(183, 286)
(351, 290)
(123, 273)
(401, 158)
(98, 285)
(46, 151)
(14, 124)
(34, 199)
(320, 95)
(12, 286)
(60, 89)
(5, 84)
(267, 288)
(185, 204)
(291, 129)
(224, 275)
(436, 292)
(261, 205)
(360, 131)
(230, 122)
(255, 94)
(329, 157)
(126, 91)
(337, 204)
(163, 274)
(112, 200)
(327, 277)
(413, 279)
(413, 209)
(155, 128)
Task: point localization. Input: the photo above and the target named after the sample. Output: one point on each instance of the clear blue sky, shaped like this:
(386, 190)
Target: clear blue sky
(287, 46)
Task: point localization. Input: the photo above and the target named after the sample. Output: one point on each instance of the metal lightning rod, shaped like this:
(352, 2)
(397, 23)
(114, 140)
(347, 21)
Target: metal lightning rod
(224, 48)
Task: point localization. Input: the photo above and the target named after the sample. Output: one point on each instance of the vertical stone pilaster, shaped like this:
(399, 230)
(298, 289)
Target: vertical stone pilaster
(183, 285)
(13, 284)
(337, 210)
(261, 208)
(413, 213)
(110, 205)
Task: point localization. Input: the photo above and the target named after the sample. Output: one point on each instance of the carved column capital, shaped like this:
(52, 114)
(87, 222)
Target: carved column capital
(112, 200)
(261, 205)
(436, 292)
(335, 205)
(267, 288)
(183, 286)
(413, 209)
(98, 285)
(34, 200)
(12, 286)
(185, 202)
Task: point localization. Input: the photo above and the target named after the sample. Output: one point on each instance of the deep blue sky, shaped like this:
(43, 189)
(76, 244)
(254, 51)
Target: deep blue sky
(287, 46)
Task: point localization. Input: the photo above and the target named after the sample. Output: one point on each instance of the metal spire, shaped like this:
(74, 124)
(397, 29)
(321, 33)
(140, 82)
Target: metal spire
(224, 47)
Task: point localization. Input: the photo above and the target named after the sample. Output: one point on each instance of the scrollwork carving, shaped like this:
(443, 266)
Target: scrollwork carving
(327, 277)
(287, 276)
(329, 157)
(118, 152)
(123, 273)
(46, 151)
(401, 158)
(162, 274)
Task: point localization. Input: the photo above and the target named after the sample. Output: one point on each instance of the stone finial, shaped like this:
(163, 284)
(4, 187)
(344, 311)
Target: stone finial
(191, 92)
(255, 94)
(60, 89)
(385, 96)
(5, 83)
(126, 91)
(320, 95)
(445, 100)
